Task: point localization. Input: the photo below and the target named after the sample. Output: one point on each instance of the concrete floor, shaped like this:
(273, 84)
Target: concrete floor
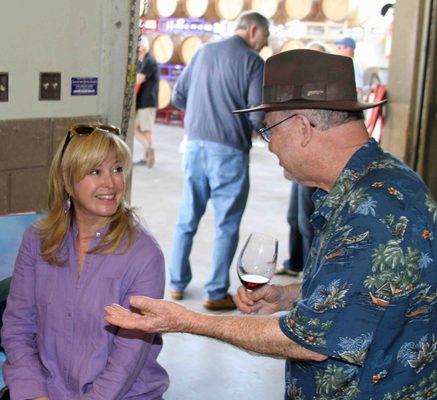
(201, 368)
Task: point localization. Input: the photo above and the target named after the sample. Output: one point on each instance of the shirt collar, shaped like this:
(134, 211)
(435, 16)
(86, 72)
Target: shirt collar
(98, 235)
(240, 39)
(355, 169)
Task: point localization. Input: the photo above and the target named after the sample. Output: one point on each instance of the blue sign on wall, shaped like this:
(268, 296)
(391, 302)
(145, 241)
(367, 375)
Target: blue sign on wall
(83, 86)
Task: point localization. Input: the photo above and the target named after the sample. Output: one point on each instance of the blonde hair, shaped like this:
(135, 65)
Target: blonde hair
(82, 154)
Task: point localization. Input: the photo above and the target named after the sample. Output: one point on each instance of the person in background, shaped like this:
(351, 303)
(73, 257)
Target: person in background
(221, 77)
(362, 324)
(147, 86)
(88, 250)
(317, 45)
(298, 216)
(346, 47)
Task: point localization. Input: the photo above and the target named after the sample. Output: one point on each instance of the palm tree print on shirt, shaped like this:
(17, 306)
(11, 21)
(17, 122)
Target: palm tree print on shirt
(395, 272)
(336, 382)
(432, 206)
(310, 330)
(355, 349)
(417, 355)
(425, 389)
(330, 297)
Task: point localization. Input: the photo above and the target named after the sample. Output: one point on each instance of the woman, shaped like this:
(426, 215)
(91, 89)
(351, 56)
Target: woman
(89, 251)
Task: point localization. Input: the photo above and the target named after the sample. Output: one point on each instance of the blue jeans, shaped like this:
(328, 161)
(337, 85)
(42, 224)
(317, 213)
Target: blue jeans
(211, 170)
(301, 231)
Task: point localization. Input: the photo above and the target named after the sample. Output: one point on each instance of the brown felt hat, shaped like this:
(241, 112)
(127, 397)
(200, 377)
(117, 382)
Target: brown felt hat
(308, 79)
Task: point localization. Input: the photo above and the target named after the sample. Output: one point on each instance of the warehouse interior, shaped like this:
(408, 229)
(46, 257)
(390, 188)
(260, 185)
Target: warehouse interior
(65, 62)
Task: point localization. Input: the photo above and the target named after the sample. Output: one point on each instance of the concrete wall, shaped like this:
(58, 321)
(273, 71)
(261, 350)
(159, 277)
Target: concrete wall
(427, 149)
(403, 79)
(26, 152)
(81, 38)
(410, 128)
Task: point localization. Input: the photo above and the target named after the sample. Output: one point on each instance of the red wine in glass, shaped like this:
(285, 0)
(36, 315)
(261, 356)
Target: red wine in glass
(257, 261)
(252, 282)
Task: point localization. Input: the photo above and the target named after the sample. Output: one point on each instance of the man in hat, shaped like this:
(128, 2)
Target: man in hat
(363, 324)
(346, 47)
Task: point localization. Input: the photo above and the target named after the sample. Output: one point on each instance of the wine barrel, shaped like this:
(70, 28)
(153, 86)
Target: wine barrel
(162, 49)
(168, 49)
(188, 48)
(302, 9)
(363, 12)
(196, 8)
(266, 52)
(228, 10)
(165, 92)
(165, 9)
(217, 9)
(292, 45)
(268, 8)
(338, 10)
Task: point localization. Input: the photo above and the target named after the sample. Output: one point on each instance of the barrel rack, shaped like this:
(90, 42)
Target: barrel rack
(170, 72)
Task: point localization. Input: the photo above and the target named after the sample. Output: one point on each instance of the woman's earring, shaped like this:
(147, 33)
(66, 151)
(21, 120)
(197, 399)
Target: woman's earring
(67, 205)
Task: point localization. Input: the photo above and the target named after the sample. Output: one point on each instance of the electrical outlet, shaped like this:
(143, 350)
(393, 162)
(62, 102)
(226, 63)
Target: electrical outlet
(4, 86)
(50, 86)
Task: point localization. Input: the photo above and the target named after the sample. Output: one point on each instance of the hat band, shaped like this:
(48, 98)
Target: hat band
(309, 92)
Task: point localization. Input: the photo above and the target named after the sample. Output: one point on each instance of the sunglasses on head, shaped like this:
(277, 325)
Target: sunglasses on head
(86, 130)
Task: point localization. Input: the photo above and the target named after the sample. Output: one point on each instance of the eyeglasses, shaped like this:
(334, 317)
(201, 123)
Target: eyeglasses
(86, 130)
(265, 130)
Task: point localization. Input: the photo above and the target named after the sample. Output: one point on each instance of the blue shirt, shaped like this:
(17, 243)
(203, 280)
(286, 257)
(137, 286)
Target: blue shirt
(221, 77)
(369, 292)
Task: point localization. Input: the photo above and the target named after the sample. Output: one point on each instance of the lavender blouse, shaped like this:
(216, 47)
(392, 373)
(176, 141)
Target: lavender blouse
(56, 340)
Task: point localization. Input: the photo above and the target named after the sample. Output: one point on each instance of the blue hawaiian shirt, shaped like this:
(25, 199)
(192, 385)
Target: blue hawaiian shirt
(369, 291)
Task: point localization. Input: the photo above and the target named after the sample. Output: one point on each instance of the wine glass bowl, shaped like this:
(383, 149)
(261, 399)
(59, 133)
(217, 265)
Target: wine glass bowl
(257, 260)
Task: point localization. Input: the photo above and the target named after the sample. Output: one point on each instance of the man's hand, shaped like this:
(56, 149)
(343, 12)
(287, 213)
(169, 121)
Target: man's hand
(151, 316)
(140, 78)
(260, 334)
(267, 299)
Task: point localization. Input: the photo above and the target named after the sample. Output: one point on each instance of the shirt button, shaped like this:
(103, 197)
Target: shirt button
(69, 314)
(98, 234)
(378, 376)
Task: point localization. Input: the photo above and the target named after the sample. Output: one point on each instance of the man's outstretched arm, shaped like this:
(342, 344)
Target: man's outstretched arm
(253, 333)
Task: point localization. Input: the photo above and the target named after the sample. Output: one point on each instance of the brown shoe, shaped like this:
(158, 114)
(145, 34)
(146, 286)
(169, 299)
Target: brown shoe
(220, 305)
(177, 294)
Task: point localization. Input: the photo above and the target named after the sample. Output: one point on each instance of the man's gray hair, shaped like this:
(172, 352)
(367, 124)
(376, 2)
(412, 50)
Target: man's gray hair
(247, 18)
(326, 119)
(144, 42)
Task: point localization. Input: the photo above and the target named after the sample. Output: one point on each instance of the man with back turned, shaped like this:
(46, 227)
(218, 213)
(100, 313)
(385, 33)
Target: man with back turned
(221, 77)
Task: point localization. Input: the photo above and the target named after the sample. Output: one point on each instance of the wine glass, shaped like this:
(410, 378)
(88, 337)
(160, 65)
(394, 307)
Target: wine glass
(257, 261)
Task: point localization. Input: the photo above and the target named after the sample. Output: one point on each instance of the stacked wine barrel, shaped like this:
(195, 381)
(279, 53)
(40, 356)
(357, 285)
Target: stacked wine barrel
(171, 49)
(210, 10)
(352, 12)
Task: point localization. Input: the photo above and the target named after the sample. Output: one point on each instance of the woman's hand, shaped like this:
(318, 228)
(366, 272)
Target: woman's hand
(267, 299)
(41, 398)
